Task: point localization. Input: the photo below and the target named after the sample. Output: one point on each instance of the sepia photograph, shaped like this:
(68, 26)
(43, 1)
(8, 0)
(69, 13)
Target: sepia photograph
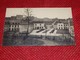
(38, 27)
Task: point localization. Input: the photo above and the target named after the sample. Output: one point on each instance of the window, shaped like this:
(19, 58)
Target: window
(40, 27)
(9, 25)
(12, 25)
(35, 24)
(18, 25)
(15, 29)
(65, 25)
(12, 29)
(59, 25)
(37, 27)
(40, 24)
(9, 29)
(15, 25)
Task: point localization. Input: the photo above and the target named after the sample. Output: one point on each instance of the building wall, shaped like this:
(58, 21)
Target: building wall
(66, 26)
(49, 26)
(24, 28)
(55, 26)
(60, 26)
(14, 27)
(39, 25)
(6, 28)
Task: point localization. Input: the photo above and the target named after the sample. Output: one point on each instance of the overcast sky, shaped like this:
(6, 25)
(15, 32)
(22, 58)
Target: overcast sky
(42, 12)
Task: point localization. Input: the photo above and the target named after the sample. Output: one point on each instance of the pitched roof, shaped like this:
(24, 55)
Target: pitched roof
(61, 21)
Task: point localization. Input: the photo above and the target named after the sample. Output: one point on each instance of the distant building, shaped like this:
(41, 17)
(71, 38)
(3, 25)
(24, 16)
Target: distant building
(42, 24)
(7, 26)
(22, 25)
(17, 24)
(61, 24)
(48, 24)
(39, 25)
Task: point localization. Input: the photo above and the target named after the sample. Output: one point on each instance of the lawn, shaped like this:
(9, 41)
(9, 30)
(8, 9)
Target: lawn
(62, 31)
(38, 40)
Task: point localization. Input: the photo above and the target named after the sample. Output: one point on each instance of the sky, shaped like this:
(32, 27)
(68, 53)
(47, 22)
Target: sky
(42, 12)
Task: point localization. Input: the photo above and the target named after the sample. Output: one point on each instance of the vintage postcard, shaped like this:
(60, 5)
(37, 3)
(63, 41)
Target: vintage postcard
(38, 27)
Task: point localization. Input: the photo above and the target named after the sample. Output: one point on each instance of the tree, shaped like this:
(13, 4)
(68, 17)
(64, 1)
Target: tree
(28, 16)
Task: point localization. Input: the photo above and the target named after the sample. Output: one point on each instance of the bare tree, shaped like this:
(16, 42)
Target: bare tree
(28, 16)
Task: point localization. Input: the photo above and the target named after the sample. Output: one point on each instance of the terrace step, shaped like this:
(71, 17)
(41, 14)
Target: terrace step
(39, 30)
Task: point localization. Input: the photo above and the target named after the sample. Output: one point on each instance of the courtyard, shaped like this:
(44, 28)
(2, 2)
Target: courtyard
(39, 38)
